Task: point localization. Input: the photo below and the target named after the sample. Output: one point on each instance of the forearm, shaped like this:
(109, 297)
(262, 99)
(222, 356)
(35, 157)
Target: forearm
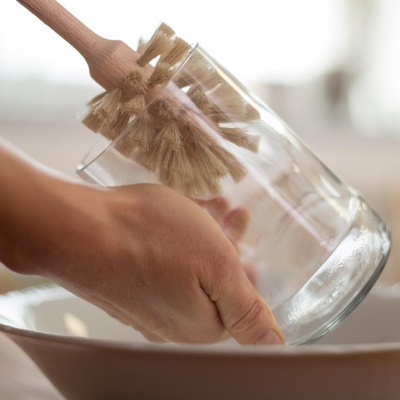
(17, 200)
(40, 215)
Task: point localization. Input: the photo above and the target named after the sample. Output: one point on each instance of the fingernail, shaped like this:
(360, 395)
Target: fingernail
(270, 337)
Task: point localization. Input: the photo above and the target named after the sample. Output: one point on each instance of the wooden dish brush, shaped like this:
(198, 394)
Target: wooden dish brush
(162, 130)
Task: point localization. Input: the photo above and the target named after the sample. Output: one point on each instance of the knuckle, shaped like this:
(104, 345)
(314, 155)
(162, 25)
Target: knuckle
(249, 319)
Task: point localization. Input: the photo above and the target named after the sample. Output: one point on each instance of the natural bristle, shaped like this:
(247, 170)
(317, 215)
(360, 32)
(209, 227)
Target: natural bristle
(136, 81)
(158, 45)
(177, 52)
(104, 109)
(167, 30)
(140, 131)
(141, 46)
(199, 72)
(230, 103)
(241, 138)
(171, 135)
(236, 169)
(115, 127)
(96, 99)
(200, 99)
(180, 132)
(109, 104)
(166, 109)
(92, 121)
(162, 73)
(135, 105)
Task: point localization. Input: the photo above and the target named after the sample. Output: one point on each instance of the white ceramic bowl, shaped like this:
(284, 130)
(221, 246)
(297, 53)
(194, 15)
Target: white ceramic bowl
(88, 355)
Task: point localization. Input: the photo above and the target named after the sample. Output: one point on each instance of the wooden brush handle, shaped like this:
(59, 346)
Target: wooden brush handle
(109, 61)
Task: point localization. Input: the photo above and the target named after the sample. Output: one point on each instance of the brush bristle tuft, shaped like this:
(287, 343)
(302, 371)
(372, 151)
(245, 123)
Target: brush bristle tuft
(176, 53)
(103, 110)
(135, 105)
(166, 29)
(113, 128)
(171, 135)
(136, 81)
(182, 134)
(140, 131)
(200, 99)
(92, 121)
(96, 99)
(240, 137)
(162, 73)
(167, 109)
(157, 45)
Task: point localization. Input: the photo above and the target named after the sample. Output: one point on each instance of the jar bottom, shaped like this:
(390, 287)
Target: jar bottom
(340, 283)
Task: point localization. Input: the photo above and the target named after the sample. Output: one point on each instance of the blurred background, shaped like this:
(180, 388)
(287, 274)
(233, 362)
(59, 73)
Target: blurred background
(330, 68)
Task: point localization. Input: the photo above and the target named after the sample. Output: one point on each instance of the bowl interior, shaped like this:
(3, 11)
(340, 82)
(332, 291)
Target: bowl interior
(375, 320)
(53, 310)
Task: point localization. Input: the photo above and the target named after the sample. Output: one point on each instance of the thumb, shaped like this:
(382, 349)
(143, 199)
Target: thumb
(245, 314)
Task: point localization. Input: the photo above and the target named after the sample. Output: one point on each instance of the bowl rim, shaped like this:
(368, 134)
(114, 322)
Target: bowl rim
(286, 351)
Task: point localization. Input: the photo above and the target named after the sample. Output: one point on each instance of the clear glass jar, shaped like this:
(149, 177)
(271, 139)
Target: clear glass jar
(316, 247)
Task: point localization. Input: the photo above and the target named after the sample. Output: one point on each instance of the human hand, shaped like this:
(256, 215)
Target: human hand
(174, 275)
(233, 221)
(145, 254)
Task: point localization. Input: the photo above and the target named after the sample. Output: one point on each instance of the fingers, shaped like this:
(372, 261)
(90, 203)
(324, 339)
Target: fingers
(251, 274)
(217, 207)
(245, 314)
(234, 221)
(251, 320)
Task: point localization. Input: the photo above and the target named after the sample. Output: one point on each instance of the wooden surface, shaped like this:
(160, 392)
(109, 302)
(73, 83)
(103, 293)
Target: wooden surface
(20, 379)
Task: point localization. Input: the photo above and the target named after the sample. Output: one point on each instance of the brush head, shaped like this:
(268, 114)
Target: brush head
(178, 122)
